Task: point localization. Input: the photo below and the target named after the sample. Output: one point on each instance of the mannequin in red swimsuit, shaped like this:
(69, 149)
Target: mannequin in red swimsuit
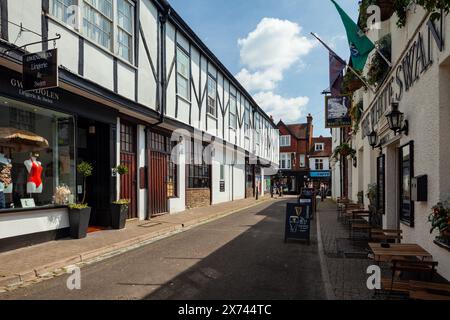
(34, 168)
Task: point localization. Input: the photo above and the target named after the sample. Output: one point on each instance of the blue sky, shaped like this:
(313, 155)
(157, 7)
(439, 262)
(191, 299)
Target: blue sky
(268, 46)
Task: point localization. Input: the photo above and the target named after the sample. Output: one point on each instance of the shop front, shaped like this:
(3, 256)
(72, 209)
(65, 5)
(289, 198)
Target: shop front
(44, 134)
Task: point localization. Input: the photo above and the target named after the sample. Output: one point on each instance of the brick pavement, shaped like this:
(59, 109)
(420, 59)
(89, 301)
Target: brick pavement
(345, 263)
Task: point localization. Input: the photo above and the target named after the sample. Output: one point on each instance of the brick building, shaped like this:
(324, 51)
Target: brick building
(295, 143)
(319, 161)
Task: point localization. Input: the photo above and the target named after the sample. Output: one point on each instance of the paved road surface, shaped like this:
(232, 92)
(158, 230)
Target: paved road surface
(241, 256)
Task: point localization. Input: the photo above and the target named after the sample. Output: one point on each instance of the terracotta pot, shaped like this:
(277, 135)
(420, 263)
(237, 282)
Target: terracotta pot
(387, 9)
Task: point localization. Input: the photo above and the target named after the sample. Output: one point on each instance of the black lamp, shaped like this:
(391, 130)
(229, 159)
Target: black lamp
(396, 120)
(373, 139)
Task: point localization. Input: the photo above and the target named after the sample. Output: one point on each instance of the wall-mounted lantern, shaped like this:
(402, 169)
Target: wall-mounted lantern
(396, 120)
(373, 139)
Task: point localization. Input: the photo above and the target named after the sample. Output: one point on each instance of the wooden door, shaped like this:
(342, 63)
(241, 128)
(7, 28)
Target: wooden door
(159, 156)
(128, 182)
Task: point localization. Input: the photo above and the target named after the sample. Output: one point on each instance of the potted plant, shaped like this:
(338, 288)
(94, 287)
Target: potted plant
(119, 208)
(361, 197)
(80, 213)
(356, 113)
(372, 193)
(119, 213)
(440, 220)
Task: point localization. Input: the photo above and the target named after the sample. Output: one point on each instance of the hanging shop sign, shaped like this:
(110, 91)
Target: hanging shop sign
(415, 62)
(40, 70)
(337, 112)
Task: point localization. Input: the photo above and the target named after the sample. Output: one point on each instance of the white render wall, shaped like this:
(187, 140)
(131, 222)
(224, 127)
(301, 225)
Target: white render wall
(426, 106)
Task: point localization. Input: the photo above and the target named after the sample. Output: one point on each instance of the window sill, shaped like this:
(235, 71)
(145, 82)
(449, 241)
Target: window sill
(213, 117)
(17, 210)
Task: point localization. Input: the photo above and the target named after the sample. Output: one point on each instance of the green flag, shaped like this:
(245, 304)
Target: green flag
(360, 44)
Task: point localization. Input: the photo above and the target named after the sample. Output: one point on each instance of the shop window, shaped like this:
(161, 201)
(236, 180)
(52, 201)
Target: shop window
(36, 156)
(198, 169)
(406, 158)
(250, 175)
(172, 180)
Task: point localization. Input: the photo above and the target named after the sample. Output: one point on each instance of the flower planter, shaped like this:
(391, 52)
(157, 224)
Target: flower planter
(79, 222)
(354, 85)
(119, 213)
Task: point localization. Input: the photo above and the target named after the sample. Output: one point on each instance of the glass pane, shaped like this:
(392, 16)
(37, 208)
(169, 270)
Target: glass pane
(39, 159)
(182, 63)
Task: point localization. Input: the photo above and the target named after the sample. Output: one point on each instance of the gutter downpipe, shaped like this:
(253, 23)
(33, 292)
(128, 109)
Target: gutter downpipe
(162, 86)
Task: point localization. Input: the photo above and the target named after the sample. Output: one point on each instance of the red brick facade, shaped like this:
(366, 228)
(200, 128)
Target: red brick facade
(301, 141)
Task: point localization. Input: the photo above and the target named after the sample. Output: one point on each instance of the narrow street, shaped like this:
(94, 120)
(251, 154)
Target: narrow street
(242, 256)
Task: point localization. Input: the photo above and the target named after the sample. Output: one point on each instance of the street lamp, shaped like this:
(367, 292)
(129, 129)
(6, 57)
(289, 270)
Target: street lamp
(373, 139)
(396, 120)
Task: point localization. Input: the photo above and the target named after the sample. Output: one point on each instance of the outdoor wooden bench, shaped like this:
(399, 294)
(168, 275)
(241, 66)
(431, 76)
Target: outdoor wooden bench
(429, 291)
(379, 235)
(414, 266)
(399, 286)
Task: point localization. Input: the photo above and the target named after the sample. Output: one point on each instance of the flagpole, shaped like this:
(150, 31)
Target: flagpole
(348, 66)
(384, 58)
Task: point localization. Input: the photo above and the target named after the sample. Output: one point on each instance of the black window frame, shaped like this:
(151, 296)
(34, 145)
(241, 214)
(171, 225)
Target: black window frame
(198, 175)
(408, 163)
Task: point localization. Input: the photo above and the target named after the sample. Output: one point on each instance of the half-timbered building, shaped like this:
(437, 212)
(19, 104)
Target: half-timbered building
(135, 84)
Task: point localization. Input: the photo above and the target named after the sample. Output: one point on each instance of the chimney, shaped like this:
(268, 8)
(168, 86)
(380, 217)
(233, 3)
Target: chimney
(309, 118)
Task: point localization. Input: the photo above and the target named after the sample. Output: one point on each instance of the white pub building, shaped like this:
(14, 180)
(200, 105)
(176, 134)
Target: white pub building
(408, 161)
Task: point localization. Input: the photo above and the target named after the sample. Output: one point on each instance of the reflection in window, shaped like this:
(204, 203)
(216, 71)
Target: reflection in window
(36, 154)
(98, 21)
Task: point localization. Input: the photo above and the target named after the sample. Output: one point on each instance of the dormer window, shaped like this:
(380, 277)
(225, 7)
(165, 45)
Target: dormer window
(319, 147)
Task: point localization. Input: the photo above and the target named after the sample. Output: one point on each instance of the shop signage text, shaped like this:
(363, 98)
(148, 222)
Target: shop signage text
(41, 95)
(40, 70)
(415, 62)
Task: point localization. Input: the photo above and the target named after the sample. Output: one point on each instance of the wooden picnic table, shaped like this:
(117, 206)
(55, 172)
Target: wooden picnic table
(403, 250)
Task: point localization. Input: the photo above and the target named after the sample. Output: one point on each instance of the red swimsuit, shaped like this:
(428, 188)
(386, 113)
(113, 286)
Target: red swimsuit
(35, 174)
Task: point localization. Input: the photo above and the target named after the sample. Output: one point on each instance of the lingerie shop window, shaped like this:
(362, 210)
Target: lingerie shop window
(37, 167)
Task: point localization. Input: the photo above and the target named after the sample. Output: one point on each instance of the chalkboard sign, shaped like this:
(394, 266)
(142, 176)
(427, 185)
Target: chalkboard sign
(298, 222)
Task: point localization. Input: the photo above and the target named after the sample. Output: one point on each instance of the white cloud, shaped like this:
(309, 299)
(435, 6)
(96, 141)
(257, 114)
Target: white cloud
(273, 48)
(288, 109)
(268, 51)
